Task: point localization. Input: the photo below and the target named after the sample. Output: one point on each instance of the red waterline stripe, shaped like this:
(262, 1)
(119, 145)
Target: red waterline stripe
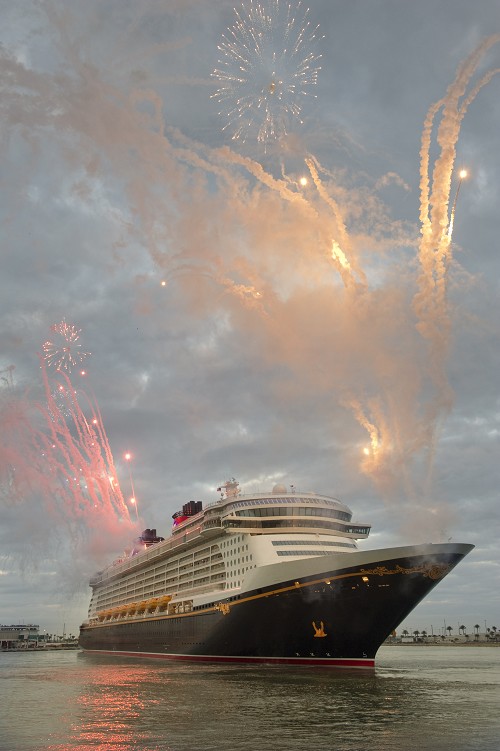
(347, 662)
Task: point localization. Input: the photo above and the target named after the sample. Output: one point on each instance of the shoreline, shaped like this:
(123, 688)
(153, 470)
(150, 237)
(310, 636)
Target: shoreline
(481, 644)
(64, 648)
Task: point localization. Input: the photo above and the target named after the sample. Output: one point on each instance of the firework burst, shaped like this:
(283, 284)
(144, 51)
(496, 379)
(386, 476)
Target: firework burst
(65, 352)
(267, 68)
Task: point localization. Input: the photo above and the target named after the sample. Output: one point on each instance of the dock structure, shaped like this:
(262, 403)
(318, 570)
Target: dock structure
(19, 636)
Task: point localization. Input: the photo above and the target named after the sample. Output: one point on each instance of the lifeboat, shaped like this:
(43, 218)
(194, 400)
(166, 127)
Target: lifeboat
(163, 602)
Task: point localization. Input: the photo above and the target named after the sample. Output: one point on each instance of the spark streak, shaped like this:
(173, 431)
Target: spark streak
(57, 456)
(461, 175)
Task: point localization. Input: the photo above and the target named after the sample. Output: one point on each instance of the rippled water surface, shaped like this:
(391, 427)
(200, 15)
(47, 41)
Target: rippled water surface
(418, 698)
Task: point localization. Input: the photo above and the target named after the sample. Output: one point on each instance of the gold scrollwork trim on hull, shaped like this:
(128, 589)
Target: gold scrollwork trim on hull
(223, 607)
(431, 570)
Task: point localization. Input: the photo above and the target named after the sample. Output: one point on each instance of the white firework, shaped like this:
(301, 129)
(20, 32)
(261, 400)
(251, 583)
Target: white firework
(266, 69)
(65, 352)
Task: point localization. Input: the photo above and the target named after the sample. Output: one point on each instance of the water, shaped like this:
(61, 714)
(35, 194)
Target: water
(418, 698)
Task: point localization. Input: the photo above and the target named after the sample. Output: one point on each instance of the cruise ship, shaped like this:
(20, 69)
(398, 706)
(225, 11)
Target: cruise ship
(262, 578)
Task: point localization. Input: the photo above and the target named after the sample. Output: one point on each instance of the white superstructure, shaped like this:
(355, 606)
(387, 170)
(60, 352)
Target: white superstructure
(215, 552)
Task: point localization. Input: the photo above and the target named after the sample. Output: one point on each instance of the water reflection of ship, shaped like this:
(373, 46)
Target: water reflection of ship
(268, 577)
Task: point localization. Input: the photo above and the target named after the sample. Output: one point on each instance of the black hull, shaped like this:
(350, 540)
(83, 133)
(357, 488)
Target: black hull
(339, 618)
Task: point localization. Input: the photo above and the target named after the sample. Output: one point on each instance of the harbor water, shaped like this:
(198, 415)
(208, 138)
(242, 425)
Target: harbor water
(418, 698)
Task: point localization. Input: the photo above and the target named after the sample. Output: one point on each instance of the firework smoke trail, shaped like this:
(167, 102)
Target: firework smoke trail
(430, 302)
(342, 262)
(346, 265)
(435, 245)
(247, 294)
(373, 431)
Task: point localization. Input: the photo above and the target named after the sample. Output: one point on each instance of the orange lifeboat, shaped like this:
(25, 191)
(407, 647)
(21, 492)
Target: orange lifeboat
(163, 602)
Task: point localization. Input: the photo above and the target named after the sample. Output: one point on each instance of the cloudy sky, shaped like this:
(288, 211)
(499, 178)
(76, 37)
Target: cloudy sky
(330, 335)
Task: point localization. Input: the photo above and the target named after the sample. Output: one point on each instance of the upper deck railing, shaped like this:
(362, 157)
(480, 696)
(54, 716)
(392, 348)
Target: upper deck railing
(294, 497)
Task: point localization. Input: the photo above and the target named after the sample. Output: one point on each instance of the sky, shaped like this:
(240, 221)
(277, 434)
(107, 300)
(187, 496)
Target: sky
(341, 335)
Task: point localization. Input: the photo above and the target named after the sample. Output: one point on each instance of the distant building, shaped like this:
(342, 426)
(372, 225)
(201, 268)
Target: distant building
(19, 636)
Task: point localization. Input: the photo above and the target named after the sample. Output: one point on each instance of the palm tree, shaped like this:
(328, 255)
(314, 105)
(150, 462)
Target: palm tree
(476, 627)
(449, 630)
(424, 634)
(462, 629)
